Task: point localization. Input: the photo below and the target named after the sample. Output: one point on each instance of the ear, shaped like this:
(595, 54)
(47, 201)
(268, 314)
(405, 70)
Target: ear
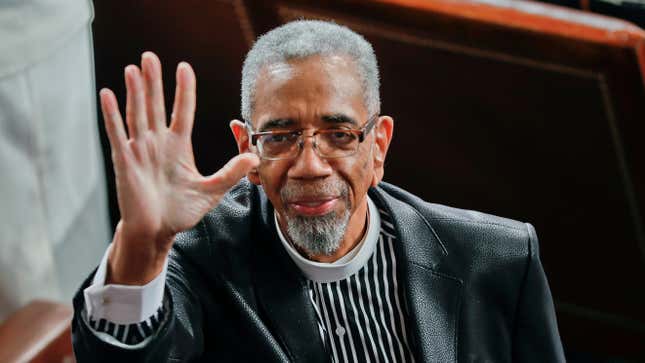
(241, 135)
(382, 137)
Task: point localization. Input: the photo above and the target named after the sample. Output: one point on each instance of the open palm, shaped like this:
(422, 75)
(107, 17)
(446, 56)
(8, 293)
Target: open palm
(160, 191)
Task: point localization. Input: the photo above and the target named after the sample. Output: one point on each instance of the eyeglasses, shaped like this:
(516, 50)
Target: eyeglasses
(327, 143)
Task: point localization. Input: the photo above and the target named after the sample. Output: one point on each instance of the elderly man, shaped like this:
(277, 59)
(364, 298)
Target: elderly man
(310, 258)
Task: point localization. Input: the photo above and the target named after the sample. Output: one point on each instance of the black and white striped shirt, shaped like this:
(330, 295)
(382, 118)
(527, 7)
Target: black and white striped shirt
(362, 318)
(129, 336)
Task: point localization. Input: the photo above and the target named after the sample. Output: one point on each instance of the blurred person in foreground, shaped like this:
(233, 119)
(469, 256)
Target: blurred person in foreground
(53, 199)
(296, 251)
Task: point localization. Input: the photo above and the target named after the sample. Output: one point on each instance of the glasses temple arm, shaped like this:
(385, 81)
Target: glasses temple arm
(368, 127)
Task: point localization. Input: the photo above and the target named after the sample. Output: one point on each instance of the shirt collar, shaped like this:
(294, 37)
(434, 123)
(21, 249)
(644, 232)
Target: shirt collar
(345, 266)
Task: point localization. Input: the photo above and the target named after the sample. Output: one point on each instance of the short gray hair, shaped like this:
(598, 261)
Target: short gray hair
(305, 38)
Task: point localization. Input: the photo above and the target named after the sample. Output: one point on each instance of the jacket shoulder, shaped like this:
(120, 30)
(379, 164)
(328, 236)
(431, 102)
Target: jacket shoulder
(472, 236)
(442, 213)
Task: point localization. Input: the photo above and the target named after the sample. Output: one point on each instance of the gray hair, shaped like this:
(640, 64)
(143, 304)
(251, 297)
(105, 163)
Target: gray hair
(305, 38)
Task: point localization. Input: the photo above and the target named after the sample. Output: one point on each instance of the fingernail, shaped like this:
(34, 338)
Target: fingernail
(146, 57)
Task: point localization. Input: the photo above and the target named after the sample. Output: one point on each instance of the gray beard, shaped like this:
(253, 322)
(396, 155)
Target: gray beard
(319, 235)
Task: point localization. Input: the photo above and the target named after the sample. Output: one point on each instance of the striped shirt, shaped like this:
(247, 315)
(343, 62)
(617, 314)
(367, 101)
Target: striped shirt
(129, 336)
(362, 318)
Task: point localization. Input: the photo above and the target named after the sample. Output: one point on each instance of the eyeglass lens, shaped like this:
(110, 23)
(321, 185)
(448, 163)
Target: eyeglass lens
(328, 143)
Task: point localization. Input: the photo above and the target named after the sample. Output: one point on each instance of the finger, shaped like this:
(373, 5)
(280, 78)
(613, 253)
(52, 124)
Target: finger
(113, 122)
(135, 107)
(231, 173)
(151, 68)
(183, 111)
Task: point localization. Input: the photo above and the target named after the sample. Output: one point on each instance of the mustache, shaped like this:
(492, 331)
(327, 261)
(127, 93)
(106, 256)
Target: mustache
(294, 190)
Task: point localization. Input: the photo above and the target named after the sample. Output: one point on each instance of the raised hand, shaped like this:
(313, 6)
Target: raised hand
(160, 192)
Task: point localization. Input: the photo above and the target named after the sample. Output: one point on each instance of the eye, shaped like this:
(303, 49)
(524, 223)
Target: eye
(342, 136)
(280, 138)
(274, 138)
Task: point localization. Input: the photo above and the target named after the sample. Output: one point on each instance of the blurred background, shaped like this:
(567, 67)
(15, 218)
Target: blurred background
(529, 110)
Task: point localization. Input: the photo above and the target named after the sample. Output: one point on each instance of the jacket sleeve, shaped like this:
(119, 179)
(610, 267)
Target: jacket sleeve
(535, 331)
(178, 339)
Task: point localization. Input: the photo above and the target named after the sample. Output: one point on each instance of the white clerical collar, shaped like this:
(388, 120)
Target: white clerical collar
(345, 266)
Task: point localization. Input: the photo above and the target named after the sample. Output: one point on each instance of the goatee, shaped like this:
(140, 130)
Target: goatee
(318, 235)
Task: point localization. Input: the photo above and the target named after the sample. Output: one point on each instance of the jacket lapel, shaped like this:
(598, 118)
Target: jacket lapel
(433, 296)
(283, 295)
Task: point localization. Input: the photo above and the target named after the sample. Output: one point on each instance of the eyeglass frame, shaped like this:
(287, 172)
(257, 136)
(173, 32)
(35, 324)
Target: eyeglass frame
(361, 133)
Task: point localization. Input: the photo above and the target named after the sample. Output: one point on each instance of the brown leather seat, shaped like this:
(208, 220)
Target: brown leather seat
(38, 333)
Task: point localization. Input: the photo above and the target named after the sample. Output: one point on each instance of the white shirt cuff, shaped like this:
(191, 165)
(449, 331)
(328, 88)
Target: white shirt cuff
(123, 304)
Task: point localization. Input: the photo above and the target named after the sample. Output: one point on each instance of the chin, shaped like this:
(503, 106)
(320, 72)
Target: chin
(318, 235)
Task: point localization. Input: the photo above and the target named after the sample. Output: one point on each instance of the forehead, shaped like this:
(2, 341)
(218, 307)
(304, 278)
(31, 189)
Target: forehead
(308, 88)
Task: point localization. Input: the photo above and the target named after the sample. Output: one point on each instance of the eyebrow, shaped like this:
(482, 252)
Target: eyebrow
(278, 123)
(339, 118)
(281, 123)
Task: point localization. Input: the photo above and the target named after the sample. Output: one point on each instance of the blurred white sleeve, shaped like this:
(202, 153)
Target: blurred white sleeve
(123, 315)
(123, 304)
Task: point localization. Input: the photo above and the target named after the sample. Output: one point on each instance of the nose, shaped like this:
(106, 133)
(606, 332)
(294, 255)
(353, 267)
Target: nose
(308, 165)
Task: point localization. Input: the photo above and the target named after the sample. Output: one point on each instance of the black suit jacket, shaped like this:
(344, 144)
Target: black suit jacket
(474, 285)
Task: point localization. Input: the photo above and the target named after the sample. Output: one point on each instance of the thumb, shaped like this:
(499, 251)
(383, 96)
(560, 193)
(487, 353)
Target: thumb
(231, 173)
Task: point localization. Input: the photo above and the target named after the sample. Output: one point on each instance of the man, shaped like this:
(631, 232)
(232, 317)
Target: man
(311, 258)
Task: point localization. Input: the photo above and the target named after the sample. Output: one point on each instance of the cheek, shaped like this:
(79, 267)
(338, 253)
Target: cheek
(367, 165)
(272, 176)
(359, 175)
